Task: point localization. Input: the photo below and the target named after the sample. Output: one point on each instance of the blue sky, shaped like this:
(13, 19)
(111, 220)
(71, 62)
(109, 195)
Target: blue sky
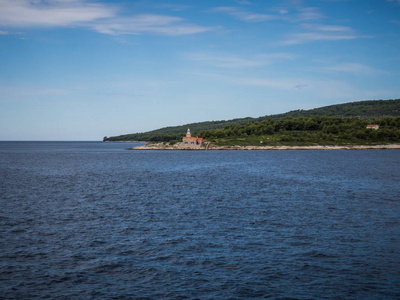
(81, 70)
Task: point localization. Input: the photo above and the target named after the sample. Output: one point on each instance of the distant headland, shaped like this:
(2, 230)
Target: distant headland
(195, 143)
(163, 146)
(355, 125)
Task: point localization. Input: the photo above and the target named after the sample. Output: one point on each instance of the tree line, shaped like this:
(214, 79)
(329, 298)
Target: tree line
(314, 129)
(366, 110)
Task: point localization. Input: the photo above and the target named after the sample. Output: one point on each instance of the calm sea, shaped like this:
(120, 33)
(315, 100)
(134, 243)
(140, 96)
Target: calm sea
(90, 220)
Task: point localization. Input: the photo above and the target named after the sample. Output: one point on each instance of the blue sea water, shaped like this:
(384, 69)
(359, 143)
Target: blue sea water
(90, 220)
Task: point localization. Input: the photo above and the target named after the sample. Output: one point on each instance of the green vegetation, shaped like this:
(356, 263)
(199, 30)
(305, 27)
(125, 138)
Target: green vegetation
(243, 133)
(304, 131)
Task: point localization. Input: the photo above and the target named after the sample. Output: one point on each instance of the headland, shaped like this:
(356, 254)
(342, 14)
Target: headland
(207, 146)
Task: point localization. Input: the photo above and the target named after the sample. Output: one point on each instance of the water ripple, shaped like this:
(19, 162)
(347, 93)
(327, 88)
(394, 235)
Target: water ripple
(84, 221)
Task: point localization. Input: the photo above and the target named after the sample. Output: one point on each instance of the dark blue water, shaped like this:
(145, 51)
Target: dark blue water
(94, 221)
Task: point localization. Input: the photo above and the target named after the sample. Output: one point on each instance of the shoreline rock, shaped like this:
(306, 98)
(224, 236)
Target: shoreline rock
(180, 146)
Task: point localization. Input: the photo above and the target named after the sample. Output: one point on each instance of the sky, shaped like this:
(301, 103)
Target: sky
(82, 69)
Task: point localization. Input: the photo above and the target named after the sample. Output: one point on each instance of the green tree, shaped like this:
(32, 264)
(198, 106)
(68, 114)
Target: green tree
(311, 125)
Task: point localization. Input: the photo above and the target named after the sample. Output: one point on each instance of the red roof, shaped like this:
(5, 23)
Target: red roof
(192, 138)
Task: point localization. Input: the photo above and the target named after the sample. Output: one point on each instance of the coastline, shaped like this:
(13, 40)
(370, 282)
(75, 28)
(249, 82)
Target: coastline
(161, 146)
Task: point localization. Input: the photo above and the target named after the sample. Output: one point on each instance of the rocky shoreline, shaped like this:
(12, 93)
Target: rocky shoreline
(180, 146)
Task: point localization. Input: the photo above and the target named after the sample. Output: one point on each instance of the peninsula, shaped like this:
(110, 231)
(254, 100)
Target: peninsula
(356, 125)
(163, 146)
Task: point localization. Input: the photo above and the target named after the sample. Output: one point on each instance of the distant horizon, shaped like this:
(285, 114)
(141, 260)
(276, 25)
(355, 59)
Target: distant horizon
(188, 124)
(74, 70)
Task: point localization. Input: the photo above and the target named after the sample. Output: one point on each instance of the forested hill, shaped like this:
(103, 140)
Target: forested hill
(366, 110)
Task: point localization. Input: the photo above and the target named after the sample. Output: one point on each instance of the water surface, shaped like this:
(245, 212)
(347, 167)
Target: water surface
(92, 220)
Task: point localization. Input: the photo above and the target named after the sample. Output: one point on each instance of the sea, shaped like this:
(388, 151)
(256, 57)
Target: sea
(92, 220)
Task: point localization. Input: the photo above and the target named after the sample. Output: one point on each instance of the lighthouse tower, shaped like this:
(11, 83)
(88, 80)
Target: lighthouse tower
(190, 142)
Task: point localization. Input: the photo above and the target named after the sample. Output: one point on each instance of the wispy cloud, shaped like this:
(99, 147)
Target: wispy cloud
(244, 2)
(308, 14)
(299, 14)
(354, 68)
(155, 24)
(301, 38)
(24, 13)
(172, 7)
(244, 15)
(3, 32)
(9, 92)
(284, 83)
(235, 62)
(103, 18)
(316, 32)
(326, 28)
(336, 89)
(329, 89)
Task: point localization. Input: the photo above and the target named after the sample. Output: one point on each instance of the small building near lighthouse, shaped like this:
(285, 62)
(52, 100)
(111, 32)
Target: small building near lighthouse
(192, 142)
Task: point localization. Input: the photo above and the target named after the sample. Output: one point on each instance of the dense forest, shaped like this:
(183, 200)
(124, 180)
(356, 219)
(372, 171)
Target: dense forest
(360, 111)
(307, 131)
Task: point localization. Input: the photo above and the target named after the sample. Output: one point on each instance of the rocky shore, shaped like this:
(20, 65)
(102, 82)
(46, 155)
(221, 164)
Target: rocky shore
(180, 146)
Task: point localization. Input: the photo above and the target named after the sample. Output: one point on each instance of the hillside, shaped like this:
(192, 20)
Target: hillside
(365, 110)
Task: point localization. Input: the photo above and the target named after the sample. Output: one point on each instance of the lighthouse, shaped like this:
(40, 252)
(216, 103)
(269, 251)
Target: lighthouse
(192, 142)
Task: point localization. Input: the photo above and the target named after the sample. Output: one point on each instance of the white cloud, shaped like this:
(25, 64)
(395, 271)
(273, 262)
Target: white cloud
(301, 38)
(172, 7)
(22, 13)
(3, 32)
(299, 14)
(223, 61)
(327, 28)
(81, 13)
(284, 84)
(231, 61)
(317, 32)
(244, 2)
(334, 89)
(156, 24)
(327, 89)
(308, 14)
(245, 15)
(8, 91)
(355, 68)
